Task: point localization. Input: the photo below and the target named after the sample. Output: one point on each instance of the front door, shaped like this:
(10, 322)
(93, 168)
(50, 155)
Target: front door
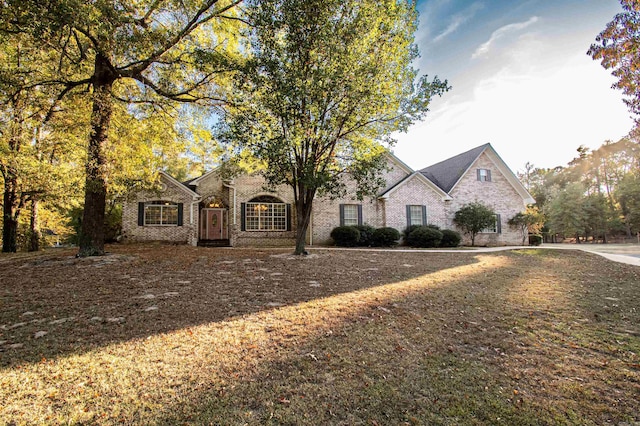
(213, 225)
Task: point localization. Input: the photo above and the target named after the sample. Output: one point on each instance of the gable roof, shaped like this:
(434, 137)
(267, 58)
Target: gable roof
(446, 174)
(423, 180)
(410, 173)
(180, 185)
(401, 164)
(193, 183)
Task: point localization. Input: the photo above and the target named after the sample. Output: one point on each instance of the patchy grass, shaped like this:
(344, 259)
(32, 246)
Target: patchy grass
(158, 334)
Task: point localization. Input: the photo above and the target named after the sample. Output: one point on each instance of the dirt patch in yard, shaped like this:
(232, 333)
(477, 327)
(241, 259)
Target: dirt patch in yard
(142, 290)
(161, 334)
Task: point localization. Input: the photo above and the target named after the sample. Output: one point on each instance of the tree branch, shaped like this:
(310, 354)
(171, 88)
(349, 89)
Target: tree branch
(138, 66)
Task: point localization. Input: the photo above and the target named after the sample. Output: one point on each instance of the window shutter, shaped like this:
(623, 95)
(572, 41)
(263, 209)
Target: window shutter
(288, 217)
(359, 214)
(478, 174)
(243, 207)
(180, 214)
(408, 215)
(424, 215)
(498, 224)
(140, 214)
(488, 175)
(341, 214)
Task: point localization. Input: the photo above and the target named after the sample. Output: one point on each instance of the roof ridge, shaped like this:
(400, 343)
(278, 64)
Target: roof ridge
(447, 173)
(483, 146)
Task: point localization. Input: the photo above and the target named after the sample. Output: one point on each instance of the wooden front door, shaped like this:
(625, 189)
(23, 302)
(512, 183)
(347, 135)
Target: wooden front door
(213, 224)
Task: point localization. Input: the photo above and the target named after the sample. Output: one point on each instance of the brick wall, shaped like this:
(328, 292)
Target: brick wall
(248, 187)
(326, 212)
(415, 192)
(187, 233)
(498, 194)
(211, 187)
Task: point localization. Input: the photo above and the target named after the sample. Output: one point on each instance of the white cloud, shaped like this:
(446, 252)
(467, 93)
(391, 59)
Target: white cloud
(538, 115)
(537, 99)
(458, 20)
(484, 48)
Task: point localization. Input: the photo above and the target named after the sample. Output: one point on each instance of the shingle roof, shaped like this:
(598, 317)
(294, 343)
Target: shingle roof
(188, 184)
(446, 173)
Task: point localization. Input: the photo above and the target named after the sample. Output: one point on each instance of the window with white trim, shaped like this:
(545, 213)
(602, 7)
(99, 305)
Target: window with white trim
(265, 214)
(350, 217)
(160, 213)
(415, 215)
(484, 175)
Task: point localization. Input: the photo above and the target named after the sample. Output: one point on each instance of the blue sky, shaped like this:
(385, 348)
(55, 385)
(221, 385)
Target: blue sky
(521, 80)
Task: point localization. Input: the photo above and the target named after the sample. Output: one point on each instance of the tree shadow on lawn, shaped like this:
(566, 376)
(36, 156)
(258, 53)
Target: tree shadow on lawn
(343, 338)
(55, 304)
(504, 344)
(530, 337)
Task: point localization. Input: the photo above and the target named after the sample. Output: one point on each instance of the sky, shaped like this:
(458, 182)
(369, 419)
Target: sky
(521, 80)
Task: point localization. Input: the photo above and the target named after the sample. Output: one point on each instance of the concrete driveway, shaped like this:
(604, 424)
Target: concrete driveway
(623, 253)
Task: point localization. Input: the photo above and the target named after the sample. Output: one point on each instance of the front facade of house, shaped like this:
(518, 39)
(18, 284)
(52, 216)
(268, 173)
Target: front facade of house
(239, 212)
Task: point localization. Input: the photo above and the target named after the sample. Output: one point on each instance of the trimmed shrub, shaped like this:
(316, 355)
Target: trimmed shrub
(386, 237)
(535, 240)
(450, 238)
(366, 235)
(424, 236)
(408, 230)
(345, 236)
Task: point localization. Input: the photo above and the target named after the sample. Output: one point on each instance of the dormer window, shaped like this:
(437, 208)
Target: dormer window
(484, 175)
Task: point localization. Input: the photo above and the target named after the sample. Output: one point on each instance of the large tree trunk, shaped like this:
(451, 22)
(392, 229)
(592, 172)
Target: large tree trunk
(34, 240)
(9, 218)
(11, 199)
(95, 193)
(304, 205)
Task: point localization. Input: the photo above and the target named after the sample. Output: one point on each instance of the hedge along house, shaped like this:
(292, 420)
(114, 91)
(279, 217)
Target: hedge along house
(211, 210)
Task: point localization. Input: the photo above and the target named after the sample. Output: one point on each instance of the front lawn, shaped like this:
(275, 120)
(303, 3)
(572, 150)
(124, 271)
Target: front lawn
(163, 334)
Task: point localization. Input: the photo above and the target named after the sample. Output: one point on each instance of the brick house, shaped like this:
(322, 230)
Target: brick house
(239, 212)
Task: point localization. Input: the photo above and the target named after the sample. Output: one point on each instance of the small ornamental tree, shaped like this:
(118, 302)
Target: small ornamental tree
(530, 220)
(473, 218)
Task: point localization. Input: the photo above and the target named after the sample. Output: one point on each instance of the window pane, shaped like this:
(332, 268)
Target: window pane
(152, 215)
(416, 215)
(169, 215)
(494, 228)
(350, 214)
(160, 213)
(266, 217)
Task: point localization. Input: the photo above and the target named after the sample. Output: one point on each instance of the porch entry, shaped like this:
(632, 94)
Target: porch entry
(213, 224)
